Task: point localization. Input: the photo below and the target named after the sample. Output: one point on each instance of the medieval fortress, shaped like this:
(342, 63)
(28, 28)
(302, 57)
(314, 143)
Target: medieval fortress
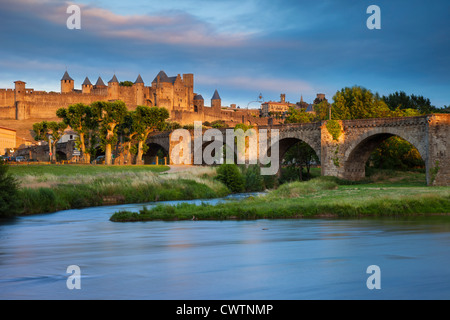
(176, 94)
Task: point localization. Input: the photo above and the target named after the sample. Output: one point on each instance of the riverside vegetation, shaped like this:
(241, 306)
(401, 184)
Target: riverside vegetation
(36, 189)
(50, 188)
(385, 192)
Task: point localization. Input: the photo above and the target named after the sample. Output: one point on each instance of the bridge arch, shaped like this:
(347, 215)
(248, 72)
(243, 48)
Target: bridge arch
(288, 139)
(61, 155)
(155, 150)
(358, 152)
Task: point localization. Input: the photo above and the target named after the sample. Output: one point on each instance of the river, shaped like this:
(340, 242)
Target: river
(259, 259)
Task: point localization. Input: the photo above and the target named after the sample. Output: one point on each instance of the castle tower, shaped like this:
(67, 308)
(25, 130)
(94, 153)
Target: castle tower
(19, 90)
(67, 83)
(113, 88)
(199, 103)
(188, 80)
(86, 86)
(216, 102)
(19, 95)
(282, 97)
(100, 83)
(139, 87)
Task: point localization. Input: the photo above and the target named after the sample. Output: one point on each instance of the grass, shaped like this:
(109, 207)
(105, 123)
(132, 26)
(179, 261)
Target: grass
(53, 188)
(75, 170)
(390, 194)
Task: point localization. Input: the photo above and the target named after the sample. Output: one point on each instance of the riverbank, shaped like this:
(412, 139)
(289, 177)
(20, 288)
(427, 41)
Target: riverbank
(319, 197)
(50, 188)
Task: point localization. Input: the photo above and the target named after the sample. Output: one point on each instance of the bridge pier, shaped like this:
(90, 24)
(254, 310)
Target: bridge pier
(438, 164)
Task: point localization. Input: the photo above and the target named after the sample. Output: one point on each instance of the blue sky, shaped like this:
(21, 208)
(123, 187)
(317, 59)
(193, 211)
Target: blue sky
(241, 48)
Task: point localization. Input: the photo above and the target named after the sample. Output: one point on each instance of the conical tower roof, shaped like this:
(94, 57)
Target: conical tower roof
(66, 77)
(87, 82)
(100, 82)
(162, 77)
(113, 80)
(139, 79)
(215, 96)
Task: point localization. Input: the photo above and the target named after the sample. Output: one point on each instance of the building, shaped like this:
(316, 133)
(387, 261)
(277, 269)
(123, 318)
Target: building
(276, 109)
(7, 140)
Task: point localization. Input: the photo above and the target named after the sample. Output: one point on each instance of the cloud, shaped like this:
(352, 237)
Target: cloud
(245, 45)
(173, 28)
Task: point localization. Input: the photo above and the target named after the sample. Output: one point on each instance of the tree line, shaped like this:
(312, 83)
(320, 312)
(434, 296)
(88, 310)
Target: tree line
(360, 103)
(109, 125)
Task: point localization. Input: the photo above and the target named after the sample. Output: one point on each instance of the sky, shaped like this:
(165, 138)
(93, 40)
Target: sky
(242, 48)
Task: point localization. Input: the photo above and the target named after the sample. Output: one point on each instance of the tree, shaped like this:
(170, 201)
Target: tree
(400, 100)
(298, 116)
(126, 134)
(231, 176)
(397, 154)
(358, 103)
(50, 132)
(126, 83)
(218, 124)
(109, 115)
(322, 110)
(79, 118)
(145, 120)
(9, 201)
(300, 156)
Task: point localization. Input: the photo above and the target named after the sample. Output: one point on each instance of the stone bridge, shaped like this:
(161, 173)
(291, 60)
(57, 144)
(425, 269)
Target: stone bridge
(64, 151)
(345, 157)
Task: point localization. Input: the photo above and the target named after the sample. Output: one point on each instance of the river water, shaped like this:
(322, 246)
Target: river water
(189, 260)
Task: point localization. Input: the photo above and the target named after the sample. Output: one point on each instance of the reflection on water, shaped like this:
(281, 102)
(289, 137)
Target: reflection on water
(261, 259)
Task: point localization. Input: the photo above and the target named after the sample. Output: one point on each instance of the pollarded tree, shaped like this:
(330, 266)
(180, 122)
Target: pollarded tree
(126, 135)
(80, 118)
(109, 115)
(50, 132)
(146, 120)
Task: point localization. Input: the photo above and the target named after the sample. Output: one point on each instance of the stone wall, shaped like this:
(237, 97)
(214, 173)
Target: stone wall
(438, 168)
(6, 97)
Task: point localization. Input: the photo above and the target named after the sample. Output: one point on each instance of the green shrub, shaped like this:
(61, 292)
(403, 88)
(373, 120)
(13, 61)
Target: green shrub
(254, 181)
(231, 176)
(334, 128)
(9, 203)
